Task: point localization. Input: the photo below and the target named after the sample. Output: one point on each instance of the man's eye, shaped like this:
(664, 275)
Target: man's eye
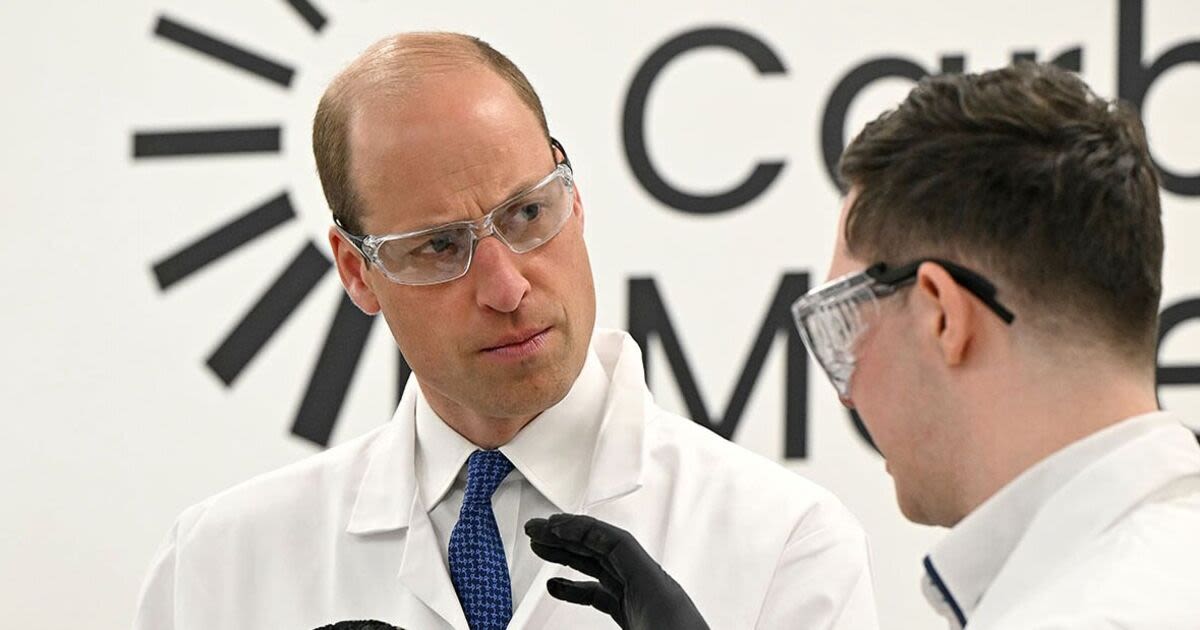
(440, 244)
(436, 245)
(530, 211)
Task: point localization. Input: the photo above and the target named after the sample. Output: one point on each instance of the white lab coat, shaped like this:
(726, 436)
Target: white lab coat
(1110, 539)
(343, 534)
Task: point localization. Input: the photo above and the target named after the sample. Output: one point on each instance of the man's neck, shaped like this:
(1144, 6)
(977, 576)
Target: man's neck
(486, 432)
(1039, 417)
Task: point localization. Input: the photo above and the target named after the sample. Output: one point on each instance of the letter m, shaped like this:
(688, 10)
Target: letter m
(648, 316)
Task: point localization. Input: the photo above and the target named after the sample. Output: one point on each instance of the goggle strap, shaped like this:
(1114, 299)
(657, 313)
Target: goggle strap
(979, 286)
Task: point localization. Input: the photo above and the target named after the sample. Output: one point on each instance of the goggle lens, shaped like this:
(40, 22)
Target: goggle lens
(443, 254)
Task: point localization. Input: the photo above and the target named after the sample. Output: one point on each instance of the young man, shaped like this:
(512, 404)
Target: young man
(459, 219)
(993, 320)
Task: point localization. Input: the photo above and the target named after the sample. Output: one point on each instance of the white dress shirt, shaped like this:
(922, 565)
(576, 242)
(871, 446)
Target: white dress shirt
(551, 458)
(1105, 533)
(359, 531)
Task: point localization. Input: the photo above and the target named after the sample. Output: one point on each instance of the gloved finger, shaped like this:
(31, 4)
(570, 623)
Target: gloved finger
(620, 552)
(551, 533)
(559, 529)
(614, 548)
(579, 528)
(538, 530)
(536, 527)
(586, 593)
(584, 564)
(625, 557)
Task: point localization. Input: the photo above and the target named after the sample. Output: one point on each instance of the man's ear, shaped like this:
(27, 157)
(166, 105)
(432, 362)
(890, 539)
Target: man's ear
(352, 270)
(948, 312)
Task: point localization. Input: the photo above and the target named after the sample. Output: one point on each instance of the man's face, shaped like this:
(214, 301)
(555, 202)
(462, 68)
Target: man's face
(894, 390)
(509, 338)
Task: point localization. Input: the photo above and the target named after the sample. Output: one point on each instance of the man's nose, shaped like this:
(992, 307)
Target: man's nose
(499, 283)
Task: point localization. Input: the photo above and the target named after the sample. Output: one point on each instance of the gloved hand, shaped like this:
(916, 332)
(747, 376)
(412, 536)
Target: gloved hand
(632, 588)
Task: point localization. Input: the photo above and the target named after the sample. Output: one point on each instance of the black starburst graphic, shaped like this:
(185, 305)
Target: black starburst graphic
(347, 335)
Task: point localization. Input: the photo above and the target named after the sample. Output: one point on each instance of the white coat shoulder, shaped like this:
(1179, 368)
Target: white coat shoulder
(683, 449)
(326, 482)
(788, 552)
(1139, 574)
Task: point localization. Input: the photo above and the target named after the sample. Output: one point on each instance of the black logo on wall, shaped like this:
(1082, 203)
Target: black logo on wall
(1134, 78)
(648, 316)
(347, 335)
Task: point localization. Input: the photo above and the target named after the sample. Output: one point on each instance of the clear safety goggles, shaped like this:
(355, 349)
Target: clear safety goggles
(832, 318)
(443, 253)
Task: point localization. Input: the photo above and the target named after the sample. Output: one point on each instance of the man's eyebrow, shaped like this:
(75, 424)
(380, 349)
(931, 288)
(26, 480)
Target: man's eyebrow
(516, 191)
(520, 189)
(525, 185)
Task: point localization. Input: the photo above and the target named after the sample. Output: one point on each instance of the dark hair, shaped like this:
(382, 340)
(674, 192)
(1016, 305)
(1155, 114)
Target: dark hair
(370, 624)
(388, 68)
(1027, 173)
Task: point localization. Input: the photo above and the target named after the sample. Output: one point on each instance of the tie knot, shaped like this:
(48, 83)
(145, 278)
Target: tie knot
(485, 471)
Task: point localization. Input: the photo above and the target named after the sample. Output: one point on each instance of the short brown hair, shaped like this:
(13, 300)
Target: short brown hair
(387, 68)
(1025, 172)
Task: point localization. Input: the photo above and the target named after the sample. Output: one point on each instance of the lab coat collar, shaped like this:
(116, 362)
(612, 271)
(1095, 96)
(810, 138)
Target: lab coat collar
(390, 487)
(440, 454)
(1059, 502)
(554, 451)
(617, 464)
(388, 499)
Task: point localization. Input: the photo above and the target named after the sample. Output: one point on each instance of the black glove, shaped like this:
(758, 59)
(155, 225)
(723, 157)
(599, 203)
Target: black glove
(633, 589)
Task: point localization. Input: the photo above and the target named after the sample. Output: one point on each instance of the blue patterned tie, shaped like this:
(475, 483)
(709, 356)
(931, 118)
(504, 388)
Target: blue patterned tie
(477, 565)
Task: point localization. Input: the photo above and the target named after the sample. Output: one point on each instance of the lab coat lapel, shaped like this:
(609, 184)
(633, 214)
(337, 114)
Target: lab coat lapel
(388, 500)
(424, 572)
(616, 462)
(534, 610)
(389, 484)
(1085, 507)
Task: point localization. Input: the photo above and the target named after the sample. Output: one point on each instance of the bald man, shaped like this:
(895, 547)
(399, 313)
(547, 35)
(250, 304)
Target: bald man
(458, 218)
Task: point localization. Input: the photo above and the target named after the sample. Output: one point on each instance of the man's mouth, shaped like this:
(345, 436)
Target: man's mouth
(519, 345)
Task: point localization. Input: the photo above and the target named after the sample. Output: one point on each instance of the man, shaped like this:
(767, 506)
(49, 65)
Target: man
(993, 319)
(458, 218)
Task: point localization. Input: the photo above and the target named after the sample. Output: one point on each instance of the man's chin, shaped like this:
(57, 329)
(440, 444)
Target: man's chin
(912, 512)
(910, 507)
(524, 396)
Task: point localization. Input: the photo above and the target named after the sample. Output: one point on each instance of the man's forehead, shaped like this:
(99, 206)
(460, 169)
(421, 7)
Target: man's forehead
(421, 161)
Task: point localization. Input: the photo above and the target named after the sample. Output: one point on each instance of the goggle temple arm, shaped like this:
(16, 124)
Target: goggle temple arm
(555, 144)
(979, 286)
(358, 242)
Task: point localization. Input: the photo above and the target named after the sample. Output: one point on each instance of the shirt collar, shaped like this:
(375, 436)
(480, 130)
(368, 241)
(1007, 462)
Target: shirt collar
(440, 453)
(388, 495)
(553, 452)
(963, 565)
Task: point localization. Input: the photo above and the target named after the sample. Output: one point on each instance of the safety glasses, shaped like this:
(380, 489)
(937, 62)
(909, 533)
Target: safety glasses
(443, 253)
(832, 318)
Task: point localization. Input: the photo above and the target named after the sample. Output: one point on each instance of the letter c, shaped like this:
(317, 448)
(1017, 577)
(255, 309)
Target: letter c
(633, 123)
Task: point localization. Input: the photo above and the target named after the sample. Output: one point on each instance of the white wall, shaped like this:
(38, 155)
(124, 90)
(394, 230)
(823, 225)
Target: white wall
(113, 423)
